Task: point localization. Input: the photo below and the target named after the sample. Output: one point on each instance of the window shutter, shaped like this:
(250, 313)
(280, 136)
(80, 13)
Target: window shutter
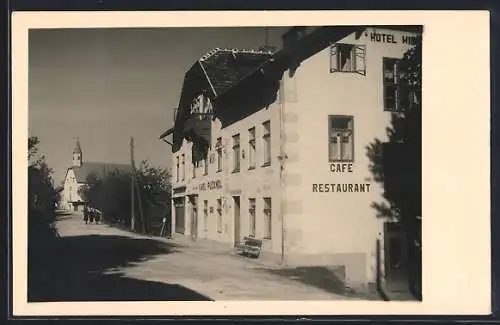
(334, 66)
(360, 59)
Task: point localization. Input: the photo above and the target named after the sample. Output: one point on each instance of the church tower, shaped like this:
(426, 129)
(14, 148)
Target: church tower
(77, 154)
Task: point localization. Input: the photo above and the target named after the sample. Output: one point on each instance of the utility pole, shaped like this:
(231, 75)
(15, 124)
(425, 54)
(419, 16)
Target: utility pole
(132, 185)
(282, 160)
(266, 47)
(139, 200)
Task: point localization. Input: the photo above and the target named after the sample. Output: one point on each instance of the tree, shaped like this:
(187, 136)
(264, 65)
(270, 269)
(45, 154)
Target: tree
(109, 194)
(155, 189)
(91, 191)
(397, 163)
(41, 194)
(112, 195)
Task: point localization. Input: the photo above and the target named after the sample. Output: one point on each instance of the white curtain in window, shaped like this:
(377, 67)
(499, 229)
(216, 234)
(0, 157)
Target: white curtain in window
(334, 148)
(346, 146)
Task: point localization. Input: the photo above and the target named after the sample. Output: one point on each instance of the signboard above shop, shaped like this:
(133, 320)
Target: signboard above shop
(210, 185)
(391, 38)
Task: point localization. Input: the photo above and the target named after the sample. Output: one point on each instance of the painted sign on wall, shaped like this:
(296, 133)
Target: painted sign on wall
(390, 38)
(211, 185)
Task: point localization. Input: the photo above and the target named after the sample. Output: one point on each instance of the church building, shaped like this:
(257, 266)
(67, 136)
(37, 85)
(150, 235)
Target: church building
(76, 178)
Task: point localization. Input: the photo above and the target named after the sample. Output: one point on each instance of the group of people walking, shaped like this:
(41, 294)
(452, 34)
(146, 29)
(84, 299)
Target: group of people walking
(91, 215)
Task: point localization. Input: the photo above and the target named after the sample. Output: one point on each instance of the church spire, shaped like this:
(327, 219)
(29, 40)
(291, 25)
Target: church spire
(77, 154)
(78, 149)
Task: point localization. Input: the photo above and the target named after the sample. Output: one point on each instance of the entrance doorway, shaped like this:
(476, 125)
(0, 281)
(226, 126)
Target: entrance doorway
(193, 200)
(396, 257)
(237, 220)
(179, 215)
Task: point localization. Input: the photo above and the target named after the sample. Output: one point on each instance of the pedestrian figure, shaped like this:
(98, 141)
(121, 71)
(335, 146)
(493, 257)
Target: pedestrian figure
(97, 216)
(91, 216)
(85, 214)
(165, 228)
(163, 225)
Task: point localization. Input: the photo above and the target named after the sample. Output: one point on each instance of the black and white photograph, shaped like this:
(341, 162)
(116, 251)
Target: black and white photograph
(226, 163)
(219, 177)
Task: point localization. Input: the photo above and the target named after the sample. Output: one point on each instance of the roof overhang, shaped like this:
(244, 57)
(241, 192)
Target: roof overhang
(417, 29)
(166, 133)
(314, 40)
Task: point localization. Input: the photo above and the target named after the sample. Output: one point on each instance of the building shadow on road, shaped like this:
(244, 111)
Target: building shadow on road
(329, 279)
(63, 215)
(86, 268)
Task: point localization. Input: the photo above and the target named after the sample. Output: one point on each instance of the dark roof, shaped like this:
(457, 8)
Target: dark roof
(98, 169)
(223, 67)
(212, 74)
(78, 149)
(307, 42)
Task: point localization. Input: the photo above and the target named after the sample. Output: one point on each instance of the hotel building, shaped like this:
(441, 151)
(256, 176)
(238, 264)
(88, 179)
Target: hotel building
(273, 146)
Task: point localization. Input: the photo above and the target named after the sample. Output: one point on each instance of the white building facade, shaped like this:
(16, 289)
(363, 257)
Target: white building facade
(294, 172)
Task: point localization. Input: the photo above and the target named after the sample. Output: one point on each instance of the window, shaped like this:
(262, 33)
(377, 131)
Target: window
(236, 153)
(267, 218)
(251, 217)
(205, 215)
(251, 148)
(348, 58)
(219, 215)
(205, 165)
(183, 172)
(266, 139)
(194, 166)
(397, 94)
(177, 171)
(218, 147)
(390, 84)
(341, 138)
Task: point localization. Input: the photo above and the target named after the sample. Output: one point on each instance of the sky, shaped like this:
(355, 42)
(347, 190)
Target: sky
(105, 86)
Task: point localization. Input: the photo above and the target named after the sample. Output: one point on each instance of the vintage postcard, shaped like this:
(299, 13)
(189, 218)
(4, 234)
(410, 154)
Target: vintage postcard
(210, 163)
